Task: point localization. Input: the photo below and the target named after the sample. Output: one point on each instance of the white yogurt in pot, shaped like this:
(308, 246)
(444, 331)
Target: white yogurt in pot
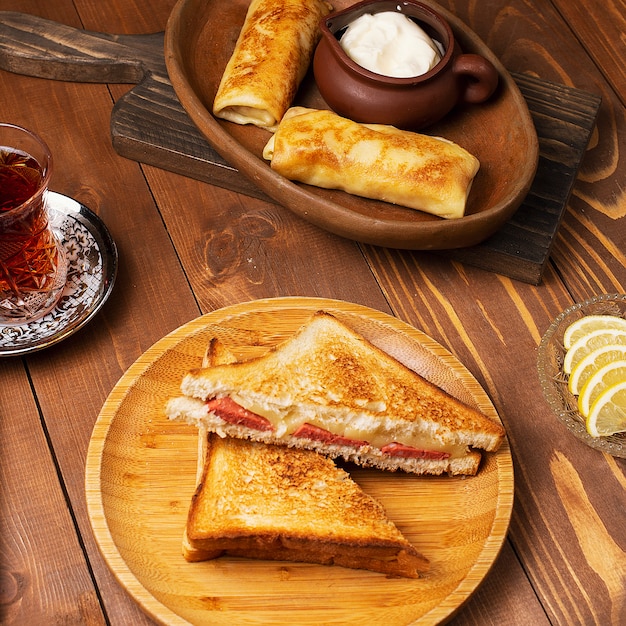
(390, 44)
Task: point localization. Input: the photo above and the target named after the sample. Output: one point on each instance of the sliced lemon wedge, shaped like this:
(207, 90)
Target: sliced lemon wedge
(590, 364)
(590, 342)
(608, 413)
(608, 376)
(588, 324)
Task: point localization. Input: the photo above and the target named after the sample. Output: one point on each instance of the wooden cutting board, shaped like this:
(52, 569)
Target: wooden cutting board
(149, 125)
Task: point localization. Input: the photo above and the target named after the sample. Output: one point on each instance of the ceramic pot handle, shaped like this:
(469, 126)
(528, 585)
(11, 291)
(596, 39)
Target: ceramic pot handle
(482, 75)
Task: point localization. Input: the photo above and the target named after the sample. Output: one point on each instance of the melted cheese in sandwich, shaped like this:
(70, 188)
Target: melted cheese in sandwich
(378, 432)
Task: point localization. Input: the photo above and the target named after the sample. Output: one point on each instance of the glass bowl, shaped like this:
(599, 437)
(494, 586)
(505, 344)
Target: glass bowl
(554, 382)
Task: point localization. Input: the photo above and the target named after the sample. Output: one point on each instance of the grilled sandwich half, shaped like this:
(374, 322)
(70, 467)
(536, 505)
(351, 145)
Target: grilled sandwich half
(277, 503)
(328, 389)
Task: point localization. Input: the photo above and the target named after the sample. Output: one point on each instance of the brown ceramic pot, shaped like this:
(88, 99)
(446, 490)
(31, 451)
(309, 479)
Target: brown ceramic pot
(411, 103)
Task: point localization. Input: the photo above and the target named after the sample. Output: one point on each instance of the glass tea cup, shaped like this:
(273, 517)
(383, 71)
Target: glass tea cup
(33, 265)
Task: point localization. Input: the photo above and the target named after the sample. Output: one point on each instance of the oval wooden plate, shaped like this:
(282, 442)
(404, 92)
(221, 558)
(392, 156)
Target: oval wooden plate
(199, 39)
(141, 472)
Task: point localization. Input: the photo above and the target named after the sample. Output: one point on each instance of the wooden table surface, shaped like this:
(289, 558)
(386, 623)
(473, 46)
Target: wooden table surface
(187, 247)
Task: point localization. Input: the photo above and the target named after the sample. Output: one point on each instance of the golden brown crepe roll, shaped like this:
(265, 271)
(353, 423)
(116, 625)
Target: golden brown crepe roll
(376, 161)
(270, 59)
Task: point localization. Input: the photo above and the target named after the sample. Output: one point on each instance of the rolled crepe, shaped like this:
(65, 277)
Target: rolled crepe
(320, 148)
(271, 57)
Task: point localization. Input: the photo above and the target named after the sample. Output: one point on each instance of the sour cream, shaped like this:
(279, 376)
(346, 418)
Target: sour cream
(390, 44)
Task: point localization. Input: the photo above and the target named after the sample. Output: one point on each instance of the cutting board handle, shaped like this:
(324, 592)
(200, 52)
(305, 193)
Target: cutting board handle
(38, 47)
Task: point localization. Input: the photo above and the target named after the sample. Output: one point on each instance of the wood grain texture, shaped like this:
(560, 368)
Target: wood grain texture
(36, 47)
(536, 41)
(564, 118)
(505, 320)
(494, 604)
(206, 247)
(72, 383)
(37, 538)
(602, 35)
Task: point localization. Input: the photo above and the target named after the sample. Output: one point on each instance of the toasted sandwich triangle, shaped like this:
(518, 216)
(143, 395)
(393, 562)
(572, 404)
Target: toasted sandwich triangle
(276, 503)
(271, 502)
(327, 378)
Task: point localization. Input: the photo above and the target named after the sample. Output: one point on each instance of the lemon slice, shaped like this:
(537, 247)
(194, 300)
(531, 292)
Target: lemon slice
(588, 365)
(608, 412)
(589, 342)
(607, 376)
(588, 324)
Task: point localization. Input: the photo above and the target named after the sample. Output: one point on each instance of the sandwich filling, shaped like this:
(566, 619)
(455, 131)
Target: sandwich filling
(314, 426)
(327, 389)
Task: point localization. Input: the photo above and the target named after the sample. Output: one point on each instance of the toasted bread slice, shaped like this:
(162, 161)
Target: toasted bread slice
(328, 389)
(216, 354)
(269, 502)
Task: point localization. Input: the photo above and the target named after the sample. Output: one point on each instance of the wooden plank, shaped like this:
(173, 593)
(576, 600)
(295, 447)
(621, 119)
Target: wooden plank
(497, 337)
(53, 581)
(493, 605)
(71, 382)
(564, 118)
(237, 248)
(149, 125)
(493, 326)
(602, 35)
(38, 541)
(589, 248)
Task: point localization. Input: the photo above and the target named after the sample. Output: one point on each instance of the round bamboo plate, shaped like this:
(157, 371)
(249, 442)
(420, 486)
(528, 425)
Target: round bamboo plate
(141, 471)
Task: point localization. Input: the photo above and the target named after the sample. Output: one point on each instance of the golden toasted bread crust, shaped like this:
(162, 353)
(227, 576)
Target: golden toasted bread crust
(271, 502)
(227, 462)
(328, 364)
(328, 371)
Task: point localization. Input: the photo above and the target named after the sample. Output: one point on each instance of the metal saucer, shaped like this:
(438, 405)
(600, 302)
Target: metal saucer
(92, 268)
